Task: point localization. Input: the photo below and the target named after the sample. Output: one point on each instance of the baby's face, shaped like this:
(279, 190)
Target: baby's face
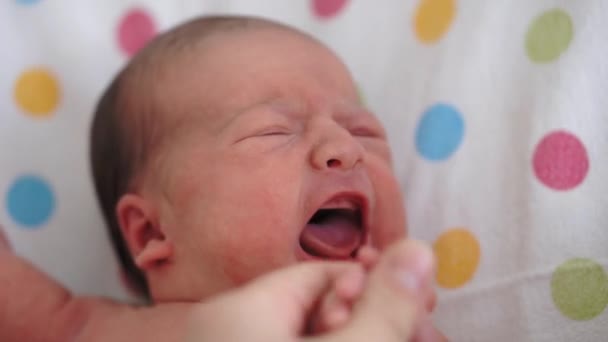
(276, 162)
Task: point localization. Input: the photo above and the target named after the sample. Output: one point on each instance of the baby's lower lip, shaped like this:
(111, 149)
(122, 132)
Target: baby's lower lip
(302, 255)
(335, 240)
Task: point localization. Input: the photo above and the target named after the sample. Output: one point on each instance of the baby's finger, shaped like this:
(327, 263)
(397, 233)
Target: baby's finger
(335, 307)
(332, 317)
(368, 257)
(350, 286)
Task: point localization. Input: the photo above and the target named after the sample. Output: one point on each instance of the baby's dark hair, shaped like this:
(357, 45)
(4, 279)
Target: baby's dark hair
(127, 128)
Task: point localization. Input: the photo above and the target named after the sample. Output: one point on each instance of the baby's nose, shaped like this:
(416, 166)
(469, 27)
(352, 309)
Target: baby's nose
(336, 149)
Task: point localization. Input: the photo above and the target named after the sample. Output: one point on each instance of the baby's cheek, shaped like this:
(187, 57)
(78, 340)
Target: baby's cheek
(254, 253)
(389, 214)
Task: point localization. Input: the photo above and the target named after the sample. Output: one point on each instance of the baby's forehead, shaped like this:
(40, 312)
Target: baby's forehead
(228, 73)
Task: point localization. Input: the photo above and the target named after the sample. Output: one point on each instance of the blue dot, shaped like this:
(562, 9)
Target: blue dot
(439, 132)
(30, 201)
(27, 2)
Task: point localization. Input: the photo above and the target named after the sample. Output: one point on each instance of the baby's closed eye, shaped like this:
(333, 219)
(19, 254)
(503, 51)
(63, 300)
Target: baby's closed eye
(366, 132)
(263, 125)
(274, 131)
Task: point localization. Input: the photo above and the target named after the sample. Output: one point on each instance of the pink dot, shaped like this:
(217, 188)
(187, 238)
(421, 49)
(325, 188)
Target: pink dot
(327, 8)
(560, 161)
(135, 29)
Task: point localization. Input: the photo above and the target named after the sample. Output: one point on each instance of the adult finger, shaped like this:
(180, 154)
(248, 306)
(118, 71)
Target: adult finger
(290, 295)
(391, 305)
(426, 332)
(273, 307)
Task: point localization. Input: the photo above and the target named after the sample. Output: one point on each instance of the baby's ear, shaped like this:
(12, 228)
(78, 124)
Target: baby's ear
(140, 226)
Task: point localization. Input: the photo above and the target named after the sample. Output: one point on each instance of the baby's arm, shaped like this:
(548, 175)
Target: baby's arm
(35, 308)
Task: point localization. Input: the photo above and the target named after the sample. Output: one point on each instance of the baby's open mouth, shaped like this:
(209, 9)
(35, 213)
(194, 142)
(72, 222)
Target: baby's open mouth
(335, 231)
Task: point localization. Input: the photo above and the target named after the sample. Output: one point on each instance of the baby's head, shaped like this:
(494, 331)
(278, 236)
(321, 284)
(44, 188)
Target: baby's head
(233, 146)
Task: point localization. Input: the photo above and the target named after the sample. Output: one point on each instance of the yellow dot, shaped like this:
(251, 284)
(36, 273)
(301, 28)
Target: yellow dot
(37, 92)
(433, 19)
(457, 252)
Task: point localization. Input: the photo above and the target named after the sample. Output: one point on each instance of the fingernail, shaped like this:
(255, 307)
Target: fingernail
(412, 265)
(408, 280)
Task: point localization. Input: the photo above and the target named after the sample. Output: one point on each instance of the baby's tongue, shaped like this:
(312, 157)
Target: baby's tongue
(334, 238)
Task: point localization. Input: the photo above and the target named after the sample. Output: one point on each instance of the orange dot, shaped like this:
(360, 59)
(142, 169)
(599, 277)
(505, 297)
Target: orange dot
(458, 253)
(433, 19)
(37, 92)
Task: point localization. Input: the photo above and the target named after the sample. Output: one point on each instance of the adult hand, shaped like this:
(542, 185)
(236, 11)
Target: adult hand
(278, 306)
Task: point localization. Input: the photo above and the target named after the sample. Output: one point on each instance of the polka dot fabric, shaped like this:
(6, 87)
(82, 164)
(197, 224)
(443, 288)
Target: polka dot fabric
(495, 112)
(53, 73)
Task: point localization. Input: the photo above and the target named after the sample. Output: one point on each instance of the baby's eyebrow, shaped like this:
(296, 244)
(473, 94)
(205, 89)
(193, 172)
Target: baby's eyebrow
(345, 113)
(354, 113)
(361, 116)
(275, 104)
(238, 114)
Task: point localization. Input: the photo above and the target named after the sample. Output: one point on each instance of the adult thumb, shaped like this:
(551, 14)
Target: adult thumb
(392, 303)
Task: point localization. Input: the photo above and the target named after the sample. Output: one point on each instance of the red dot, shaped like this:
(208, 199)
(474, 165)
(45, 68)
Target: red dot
(327, 8)
(560, 161)
(135, 29)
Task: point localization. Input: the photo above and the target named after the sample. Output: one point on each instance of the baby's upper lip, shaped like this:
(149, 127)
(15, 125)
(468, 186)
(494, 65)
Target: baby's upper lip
(342, 201)
(353, 191)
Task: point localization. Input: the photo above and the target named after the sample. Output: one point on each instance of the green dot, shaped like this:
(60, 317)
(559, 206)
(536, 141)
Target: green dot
(549, 35)
(580, 289)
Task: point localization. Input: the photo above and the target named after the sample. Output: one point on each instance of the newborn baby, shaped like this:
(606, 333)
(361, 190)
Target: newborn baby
(230, 147)
(227, 148)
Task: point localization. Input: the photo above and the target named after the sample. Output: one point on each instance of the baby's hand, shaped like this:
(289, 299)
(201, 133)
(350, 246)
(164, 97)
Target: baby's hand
(335, 308)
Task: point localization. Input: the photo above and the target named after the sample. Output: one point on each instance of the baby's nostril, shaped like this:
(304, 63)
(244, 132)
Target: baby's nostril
(333, 163)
